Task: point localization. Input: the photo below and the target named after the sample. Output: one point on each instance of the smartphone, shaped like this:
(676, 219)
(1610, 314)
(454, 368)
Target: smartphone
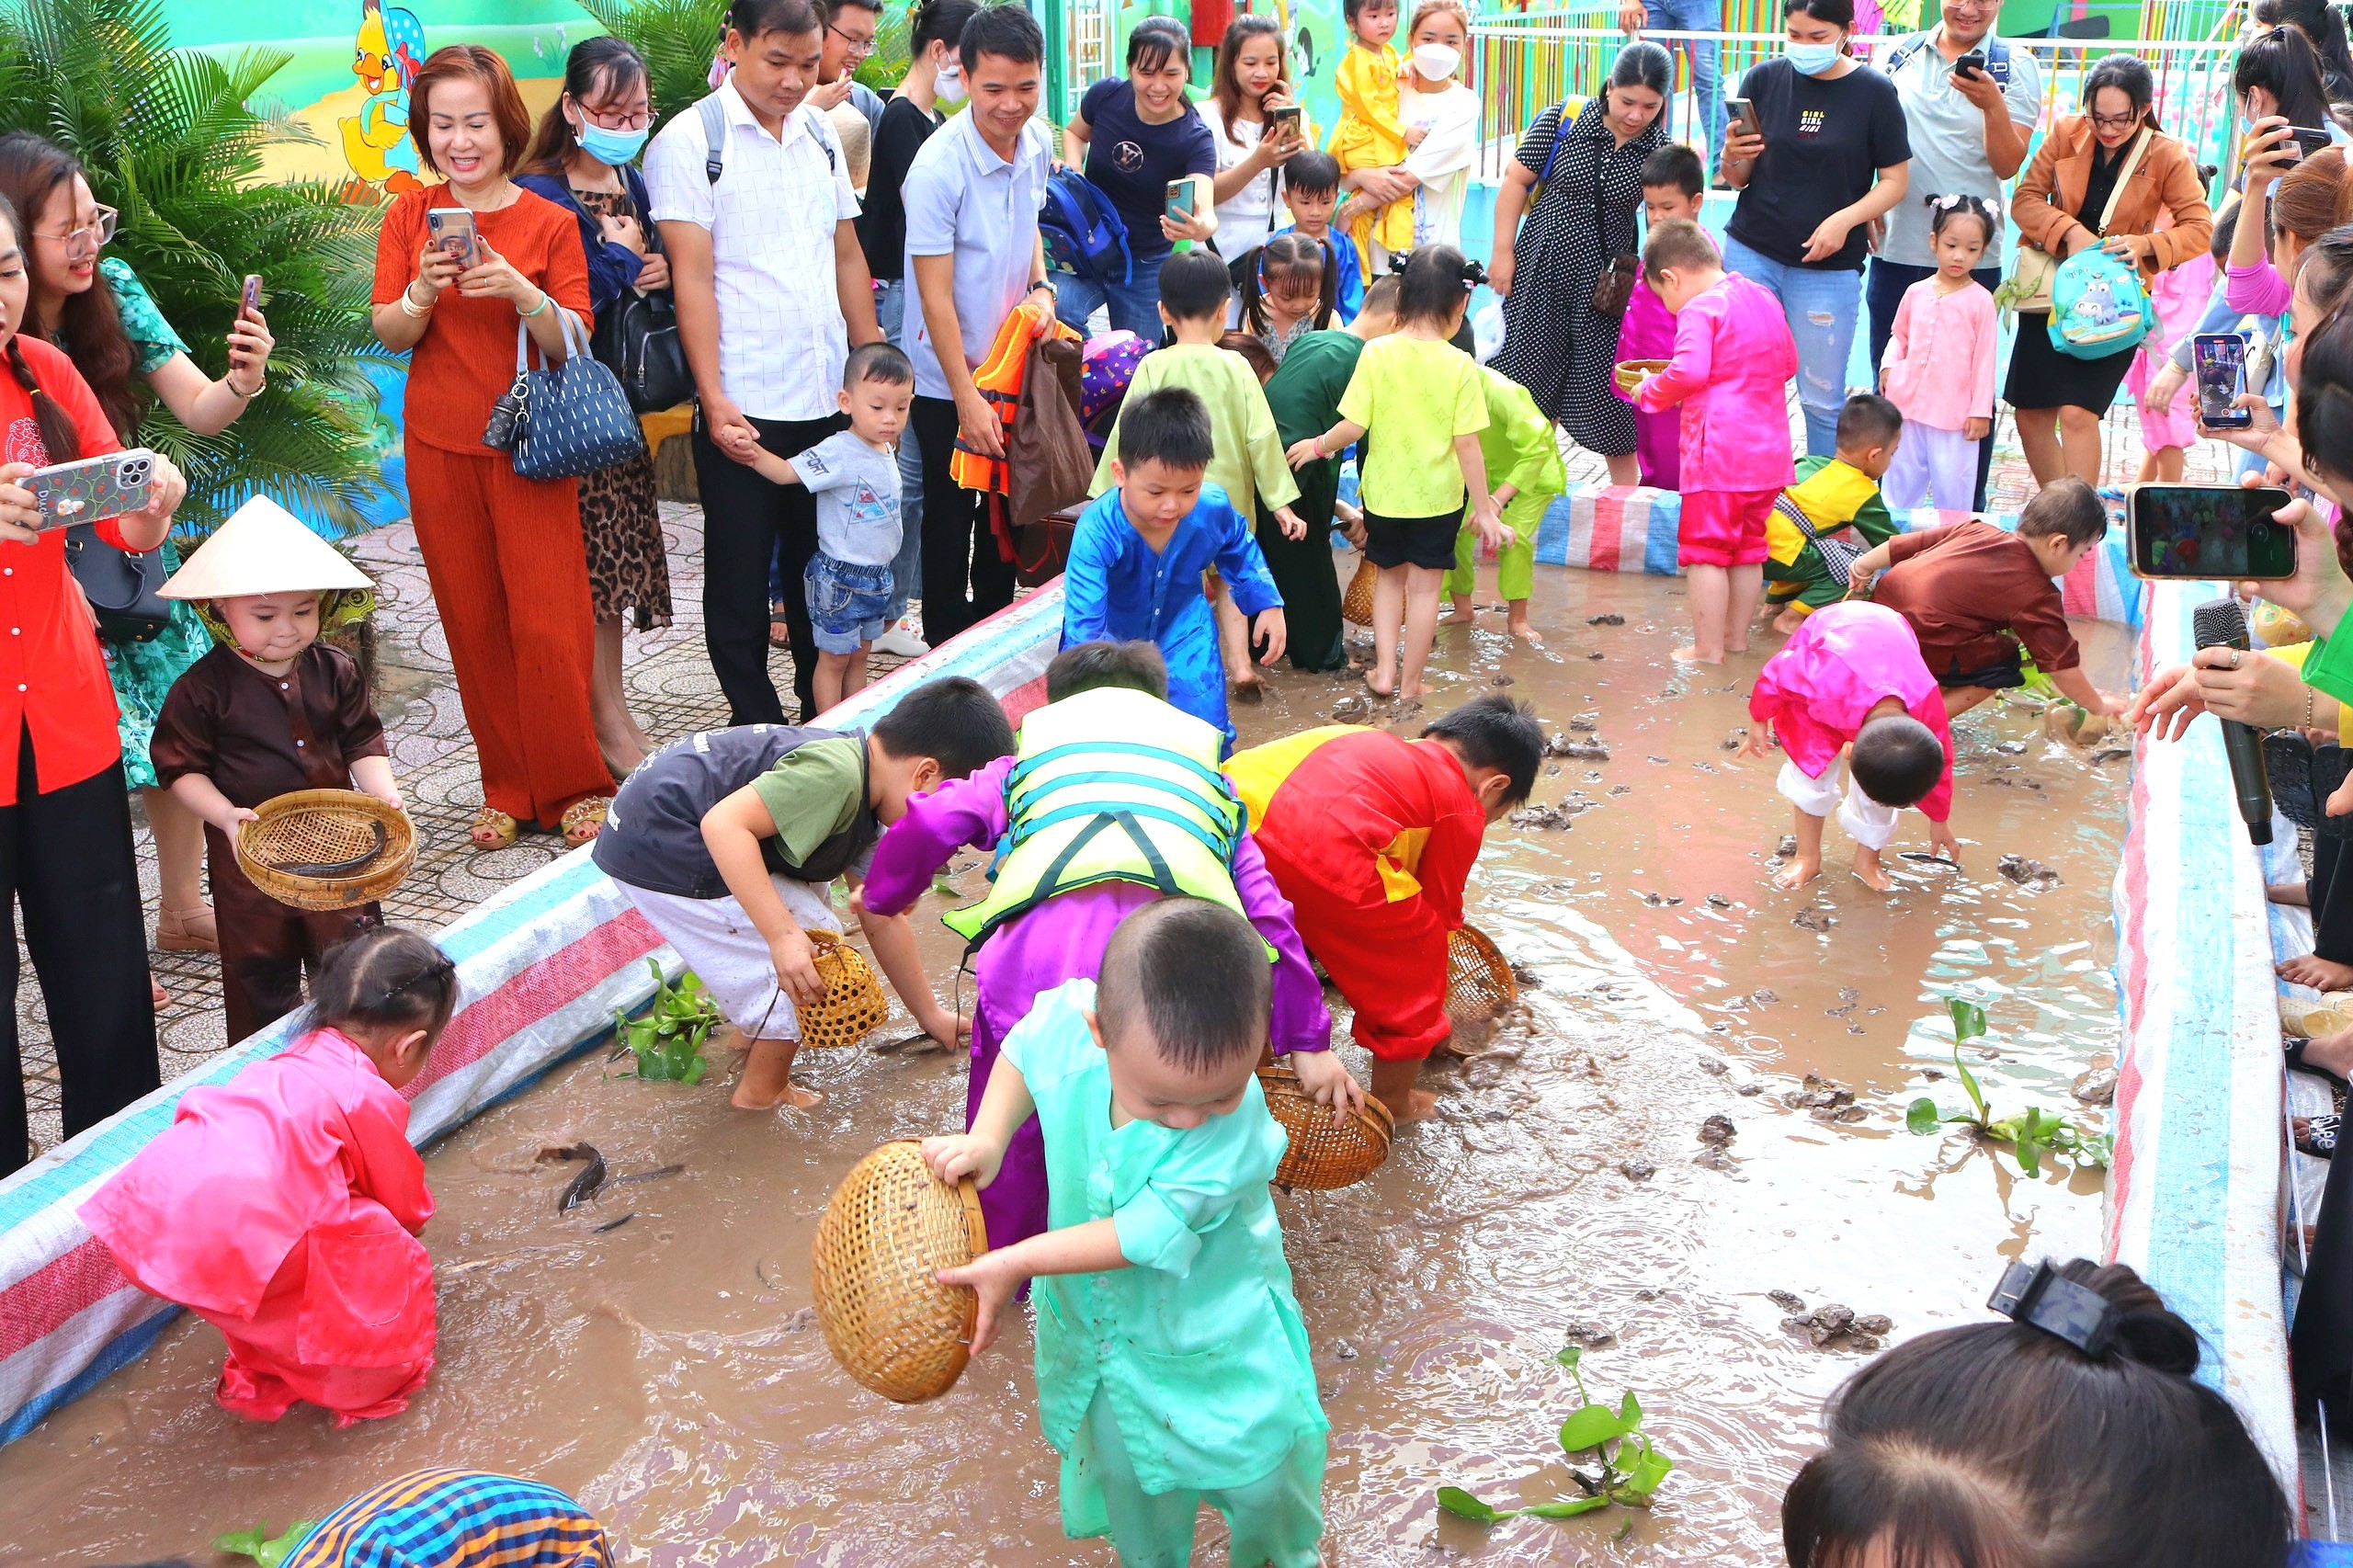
(2219, 361)
(1284, 121)
(249, 302)
(2308, 140)
(2200, 531)
(1180, 199)
(452, 229)
(1745, 113)
(92, 489)
(1972, 64)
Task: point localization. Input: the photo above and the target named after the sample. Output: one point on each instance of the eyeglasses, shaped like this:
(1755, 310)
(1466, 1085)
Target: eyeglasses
(615, 120)
(859, 48)
(2117, 121)
(91, 236)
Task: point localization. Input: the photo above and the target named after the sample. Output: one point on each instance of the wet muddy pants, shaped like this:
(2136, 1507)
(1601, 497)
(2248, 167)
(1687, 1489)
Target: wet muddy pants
(1278, 1520)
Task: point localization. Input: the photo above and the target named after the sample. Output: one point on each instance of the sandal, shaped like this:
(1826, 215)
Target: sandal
(2292, 1048)
(779, 630)
(187, 930)
(2315, 1135)
(583, 819)
(493, 829)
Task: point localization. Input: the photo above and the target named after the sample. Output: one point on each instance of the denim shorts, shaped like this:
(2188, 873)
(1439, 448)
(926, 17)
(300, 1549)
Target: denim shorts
(847, 603)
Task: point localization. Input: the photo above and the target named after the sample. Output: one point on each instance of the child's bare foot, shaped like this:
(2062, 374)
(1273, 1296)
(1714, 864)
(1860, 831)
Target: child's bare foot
(767, 1082)
(1393, 1085)
(1800, 871)
(792, 1097)
(1411, 693)
(1737, 646)
(1870, 872)
(1519, 627)
(1465, 613)
(1788, 620)
(1690, 655)
(1418, 1105)
(2320, 974)
(2296, 894)
(1372, 682)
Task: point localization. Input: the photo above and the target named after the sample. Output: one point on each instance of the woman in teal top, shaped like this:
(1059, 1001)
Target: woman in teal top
(100, 314)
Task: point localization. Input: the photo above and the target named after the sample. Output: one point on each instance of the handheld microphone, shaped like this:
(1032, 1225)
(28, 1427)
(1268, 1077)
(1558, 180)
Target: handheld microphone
(2222, 623)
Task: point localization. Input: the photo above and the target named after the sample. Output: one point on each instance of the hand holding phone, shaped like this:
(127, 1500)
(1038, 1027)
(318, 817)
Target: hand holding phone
(92, 489)
(1176, 212)
(1970, 66)
(2199, 531)
(249, 298)
(453, 233)
(2220, 360)
(1745, 129)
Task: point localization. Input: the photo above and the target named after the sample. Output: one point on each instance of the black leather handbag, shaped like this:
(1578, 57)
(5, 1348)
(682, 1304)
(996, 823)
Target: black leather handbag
(637, 340)
(124, 590)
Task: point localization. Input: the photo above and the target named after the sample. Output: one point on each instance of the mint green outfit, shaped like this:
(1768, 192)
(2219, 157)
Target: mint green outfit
(143, 672)
(1520, 451)
(1185, 1376)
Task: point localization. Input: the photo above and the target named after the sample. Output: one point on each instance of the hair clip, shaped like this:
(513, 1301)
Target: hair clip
(2039, 1297)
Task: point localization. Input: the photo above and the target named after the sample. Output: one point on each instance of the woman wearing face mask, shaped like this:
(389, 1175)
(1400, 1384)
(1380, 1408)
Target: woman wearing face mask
(1441, 120)
(1832, 157)
(1556, 344)
(1253, 81)
(583, 159)
(2106, 172)
(933, 87)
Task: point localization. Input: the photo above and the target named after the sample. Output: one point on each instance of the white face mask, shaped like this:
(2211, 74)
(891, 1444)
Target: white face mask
(949, 85)
(1436, 61)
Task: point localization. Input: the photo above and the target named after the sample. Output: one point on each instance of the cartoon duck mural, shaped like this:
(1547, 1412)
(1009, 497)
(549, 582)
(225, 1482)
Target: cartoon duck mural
(386, 56)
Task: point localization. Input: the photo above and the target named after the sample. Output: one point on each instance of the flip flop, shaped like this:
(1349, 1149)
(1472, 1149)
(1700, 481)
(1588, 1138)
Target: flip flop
(2319, 1137)
(2292, 1049)
(2288, 760)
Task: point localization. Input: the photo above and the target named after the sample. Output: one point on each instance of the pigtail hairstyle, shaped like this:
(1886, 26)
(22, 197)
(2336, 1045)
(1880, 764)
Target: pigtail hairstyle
(1433, 283)
(384, 981)
(1943, 209)
(1282, 259)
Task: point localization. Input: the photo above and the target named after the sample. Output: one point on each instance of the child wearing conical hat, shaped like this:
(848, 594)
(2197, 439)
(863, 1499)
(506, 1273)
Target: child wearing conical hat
(269, 711)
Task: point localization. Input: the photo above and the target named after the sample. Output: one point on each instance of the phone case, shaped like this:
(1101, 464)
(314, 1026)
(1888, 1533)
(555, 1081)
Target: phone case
(433, 226)
(92, 489)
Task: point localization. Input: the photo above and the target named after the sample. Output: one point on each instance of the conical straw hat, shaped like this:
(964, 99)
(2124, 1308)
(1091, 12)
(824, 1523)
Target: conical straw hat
(264, 549)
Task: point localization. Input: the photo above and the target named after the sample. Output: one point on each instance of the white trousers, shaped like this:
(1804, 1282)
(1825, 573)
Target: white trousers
(727, 953)
(1927, 459)
(1866, 822)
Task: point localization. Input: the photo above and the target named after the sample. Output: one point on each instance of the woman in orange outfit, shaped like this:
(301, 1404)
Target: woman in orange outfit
(504, 555)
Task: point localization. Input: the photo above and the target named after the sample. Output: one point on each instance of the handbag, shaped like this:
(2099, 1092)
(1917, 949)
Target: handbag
(124, 590)
(569, 419)
(1837, 555)
(637, 340)
(2027, 287)
(1615, 287)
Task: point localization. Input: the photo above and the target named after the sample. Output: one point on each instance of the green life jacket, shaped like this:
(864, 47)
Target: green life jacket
(1110, 785)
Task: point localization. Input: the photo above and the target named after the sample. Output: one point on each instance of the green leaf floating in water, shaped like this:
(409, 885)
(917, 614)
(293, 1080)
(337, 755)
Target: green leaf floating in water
(1591, 1426)
(256, 1545)
(1568, 1508)
(1462, 1506)
(1922, 1117)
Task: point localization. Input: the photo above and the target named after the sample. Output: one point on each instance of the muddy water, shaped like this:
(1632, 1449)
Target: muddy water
(668, 1372)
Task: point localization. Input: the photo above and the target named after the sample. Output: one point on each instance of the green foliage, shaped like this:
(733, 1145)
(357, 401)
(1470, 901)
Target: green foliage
(677, 38)
(887, 66)
(1628, 1468)
(257, 1544)
(2031, 1134)
(668, 1038)
(167, 138)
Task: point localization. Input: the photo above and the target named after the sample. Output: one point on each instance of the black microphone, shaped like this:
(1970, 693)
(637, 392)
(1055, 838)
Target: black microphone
(2222, 623)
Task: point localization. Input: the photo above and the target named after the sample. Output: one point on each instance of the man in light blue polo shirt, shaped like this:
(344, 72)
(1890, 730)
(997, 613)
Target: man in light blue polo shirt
(971, 198)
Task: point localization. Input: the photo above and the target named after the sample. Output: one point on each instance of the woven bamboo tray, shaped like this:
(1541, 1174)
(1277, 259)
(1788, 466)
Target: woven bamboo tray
(1356, 605)
(1322, 1156)
(890, 1227)
(326, 849)
(854, 1006)
(1479, 984)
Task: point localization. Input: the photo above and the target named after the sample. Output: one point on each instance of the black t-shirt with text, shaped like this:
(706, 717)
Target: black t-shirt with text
(1132, 163)
(1824, 142)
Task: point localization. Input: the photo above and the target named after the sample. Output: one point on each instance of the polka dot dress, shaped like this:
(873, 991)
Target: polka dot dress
(1554, 342)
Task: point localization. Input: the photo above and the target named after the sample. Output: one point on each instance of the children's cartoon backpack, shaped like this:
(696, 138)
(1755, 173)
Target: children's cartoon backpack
(2098, 306)
(1107, 367)
(1083, 234)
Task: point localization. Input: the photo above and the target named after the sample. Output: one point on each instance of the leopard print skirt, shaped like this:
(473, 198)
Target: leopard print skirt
(628, 573)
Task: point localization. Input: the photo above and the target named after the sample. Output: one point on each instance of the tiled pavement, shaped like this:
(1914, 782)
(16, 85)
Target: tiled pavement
(672, 693)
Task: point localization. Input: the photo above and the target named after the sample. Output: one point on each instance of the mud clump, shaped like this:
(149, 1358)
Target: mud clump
(1718, 1130)
(1836, 1328)
(2096, 1087)
(1717, 901)
(1549, 819)
(1813, 920)
(1824, 1100)
(1352, 709)
(2031, 875)
(1660, 900)
(1734, 741)
(1592, 1336)
(1503, 680)
(1787, 847)
(1788, 1300)
(1568, 745)
(1585, 724)
(1612, 618)
(1637, 1170)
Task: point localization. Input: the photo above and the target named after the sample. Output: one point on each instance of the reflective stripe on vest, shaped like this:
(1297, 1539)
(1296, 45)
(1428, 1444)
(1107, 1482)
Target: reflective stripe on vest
(1110, 785)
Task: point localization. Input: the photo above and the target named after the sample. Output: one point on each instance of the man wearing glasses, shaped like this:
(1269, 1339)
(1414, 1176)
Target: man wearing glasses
(850, 40)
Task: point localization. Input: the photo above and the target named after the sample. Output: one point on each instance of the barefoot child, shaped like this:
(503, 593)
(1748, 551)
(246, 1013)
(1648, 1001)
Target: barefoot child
(1974, 593)
(268, 711)
(1940, 364)
(1836, 497)
(854, 476)
(1419, 397)
(1040, 926)
(1734, 359)
(1851, 675)
(283, 1206)
(1372, 133)
(727, 843)
(1311, 189)
(1372, 836)
(1138, 553)
(1172, 1363)
(1524, 464)
(1674, 188)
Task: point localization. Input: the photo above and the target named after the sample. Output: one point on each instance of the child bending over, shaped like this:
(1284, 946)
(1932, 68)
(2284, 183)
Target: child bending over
(1851, 675)
(1311, 189)
(854, 476)
(1974, 593)
(1734, 359)
(1834, 499)
(283, 1206)
(1675, 190)
(1524, 464)
(1172, 1362)
(1419, 397)
(1138, 553)
(727, 843)
(1372, 133)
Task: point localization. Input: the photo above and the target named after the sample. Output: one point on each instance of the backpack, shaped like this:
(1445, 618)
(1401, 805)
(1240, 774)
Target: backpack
(1083, 234)
(1997, 58)
(714, 135)
(2098, 306)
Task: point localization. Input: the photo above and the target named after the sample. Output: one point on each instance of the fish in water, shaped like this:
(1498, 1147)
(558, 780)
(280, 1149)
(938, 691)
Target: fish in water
(583, 1187)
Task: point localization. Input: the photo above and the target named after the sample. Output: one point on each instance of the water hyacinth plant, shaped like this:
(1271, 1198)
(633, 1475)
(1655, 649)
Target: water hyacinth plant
(1627, 1467)
(668, 1038)
(2031, 1134)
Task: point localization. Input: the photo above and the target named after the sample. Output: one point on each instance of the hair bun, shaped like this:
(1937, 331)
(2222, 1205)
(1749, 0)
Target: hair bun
(2147, 1331)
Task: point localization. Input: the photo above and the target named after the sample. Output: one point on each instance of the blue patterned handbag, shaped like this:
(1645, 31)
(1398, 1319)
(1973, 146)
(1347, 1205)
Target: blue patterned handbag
(572, 418)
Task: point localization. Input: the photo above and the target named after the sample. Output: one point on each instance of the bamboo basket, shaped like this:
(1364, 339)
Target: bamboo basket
(890, 1227)
(1322, 1156)
(326, 849)
(853, 1006)
(1479, 984)
(1356, 605)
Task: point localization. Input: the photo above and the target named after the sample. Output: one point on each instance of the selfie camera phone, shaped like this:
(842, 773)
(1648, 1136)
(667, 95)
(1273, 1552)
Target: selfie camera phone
(2220, 359)
(2308, 140)
(1286, 119)
(1180, 199)
(1745, 112)
(1972, 64)
(2197, 532)
(250, 300)
(92, 489)
(452, 229)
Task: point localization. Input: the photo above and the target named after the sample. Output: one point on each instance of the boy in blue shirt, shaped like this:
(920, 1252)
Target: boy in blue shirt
(1172, 1362)
(1311, 191)
(1137, 555)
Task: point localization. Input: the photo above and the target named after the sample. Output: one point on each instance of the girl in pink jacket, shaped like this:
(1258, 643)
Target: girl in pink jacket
(1734, 359)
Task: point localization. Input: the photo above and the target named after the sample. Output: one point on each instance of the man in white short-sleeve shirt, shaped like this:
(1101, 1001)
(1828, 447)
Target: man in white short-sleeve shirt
(772, 293)
(1969, 135)
(971, 198)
